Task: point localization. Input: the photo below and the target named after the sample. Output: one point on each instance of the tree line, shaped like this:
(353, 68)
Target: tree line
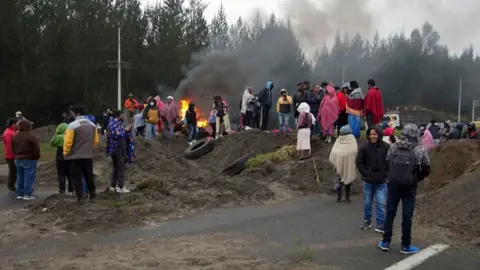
(54, 53)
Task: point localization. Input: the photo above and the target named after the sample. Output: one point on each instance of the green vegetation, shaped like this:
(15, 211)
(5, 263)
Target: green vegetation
(47, 152)
(284, 153)
(302, 253)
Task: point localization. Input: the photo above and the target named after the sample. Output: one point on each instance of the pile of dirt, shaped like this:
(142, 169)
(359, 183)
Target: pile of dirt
(449, 161)
(454, 209)
(232, 147)
(45, 133)
(450, 201)
(166, 185)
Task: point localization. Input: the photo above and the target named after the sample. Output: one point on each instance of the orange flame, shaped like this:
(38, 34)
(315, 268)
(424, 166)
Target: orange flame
(201, 122)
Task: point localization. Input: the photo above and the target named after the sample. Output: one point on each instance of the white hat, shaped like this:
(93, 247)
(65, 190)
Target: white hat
(18, 113)
(170, 97)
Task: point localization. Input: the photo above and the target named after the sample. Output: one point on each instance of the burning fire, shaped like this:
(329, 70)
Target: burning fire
(201, 122)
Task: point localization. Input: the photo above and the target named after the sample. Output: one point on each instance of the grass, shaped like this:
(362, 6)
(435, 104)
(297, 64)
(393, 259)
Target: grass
(46, 151)
(284, 153)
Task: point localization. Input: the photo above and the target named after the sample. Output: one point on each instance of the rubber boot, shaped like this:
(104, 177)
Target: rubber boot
(347, 193)
(329, 139)
(339, 194)
(300, 154)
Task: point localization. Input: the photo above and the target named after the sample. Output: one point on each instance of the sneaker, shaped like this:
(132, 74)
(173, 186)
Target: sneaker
(194, 141)
(29, 198)
(72, 194)
(409, 250)
(20, 197)
(379, 228)
(384, 246)
(123, 190)
(367, 224)
(190, 143)
(112, 189)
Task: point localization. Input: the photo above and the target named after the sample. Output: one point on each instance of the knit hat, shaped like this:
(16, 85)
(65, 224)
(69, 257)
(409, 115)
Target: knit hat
(389, 131)
(345, 130)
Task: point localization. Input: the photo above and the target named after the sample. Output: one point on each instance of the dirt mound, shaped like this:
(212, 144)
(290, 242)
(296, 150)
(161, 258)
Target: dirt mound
(449, 161)
(166, 183)
(455, 208)
(234, 146)
(45, 133)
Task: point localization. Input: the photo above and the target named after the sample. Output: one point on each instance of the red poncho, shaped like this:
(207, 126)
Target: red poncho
(373, 103)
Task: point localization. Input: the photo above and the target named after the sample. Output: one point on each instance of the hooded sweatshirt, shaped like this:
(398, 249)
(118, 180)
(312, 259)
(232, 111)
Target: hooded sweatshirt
(371, 159)
(57, 140)
(265, 96)
(410, 135)
(25, 145)
(7, 142)
(284, 104)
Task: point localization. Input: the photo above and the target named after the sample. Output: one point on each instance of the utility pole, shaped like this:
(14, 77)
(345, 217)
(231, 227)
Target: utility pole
(119, 65)
(459, 99)
(475, 103)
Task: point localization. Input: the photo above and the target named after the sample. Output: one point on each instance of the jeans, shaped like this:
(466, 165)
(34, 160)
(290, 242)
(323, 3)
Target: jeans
(380, 192)
(284, 120)
(26, 171)
(150, 131)
(396, 193)
(118, 161)
(355, 124)
(12, 174)
(192, 132)
(80, 171)
(168, 127)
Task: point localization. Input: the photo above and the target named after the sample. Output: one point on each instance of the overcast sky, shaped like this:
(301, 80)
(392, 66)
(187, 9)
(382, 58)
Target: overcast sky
(457, 21)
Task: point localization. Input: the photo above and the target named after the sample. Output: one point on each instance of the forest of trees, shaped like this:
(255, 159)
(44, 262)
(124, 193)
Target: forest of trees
(54, 53)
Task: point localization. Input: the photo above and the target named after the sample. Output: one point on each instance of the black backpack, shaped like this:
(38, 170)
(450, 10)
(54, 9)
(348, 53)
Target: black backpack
(403, 165)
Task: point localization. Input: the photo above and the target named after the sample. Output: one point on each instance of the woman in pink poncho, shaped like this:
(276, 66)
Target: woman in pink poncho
(328, 113)
(170, 115)
(427, 139)
(160, 106)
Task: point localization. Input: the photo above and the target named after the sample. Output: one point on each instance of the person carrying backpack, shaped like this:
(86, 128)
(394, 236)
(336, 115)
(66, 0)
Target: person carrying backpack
(408, 164)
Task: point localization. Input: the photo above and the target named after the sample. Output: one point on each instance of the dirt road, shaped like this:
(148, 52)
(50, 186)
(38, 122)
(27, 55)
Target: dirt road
(306, 233)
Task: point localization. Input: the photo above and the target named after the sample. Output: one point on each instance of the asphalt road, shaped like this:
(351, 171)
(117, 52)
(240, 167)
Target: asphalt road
(329, 229)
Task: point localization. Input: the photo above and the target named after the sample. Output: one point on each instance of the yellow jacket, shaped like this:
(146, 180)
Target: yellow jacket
(282, 101)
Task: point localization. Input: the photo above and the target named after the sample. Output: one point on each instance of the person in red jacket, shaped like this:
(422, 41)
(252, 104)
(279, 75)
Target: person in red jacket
(342, 102)
(373, 105)
(9, 156)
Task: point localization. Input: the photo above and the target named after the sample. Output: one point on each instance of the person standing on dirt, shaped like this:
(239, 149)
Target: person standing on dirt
(408, 164)
(8, 134)
(354, 108)
(131, 105)
(170, 116)
(373, 105)
(298, 98)
(191, 123)
(121, 148)
(314, 98)
(305, 122)
(472, 132)
(342, 103)
(151, 116)
(62, 164)
(26, 148)
(79, 142)
(343, 156)
(372, 165)
(139, 122)
(222, 119)
(328, 113)
(446, 131)
(247, 98)
(265, 99)
(284, 109)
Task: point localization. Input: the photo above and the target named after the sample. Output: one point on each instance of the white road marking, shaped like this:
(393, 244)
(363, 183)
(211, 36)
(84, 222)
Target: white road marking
(415, 260)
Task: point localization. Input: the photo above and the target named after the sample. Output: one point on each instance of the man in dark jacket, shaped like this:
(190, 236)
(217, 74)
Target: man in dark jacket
(402, 185)
(434, 129)
(372, 164)
(314, 98)
(265, 99)
(298, 98)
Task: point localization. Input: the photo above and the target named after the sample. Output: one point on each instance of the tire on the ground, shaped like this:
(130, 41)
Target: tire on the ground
(237, 166)
(199, 148)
